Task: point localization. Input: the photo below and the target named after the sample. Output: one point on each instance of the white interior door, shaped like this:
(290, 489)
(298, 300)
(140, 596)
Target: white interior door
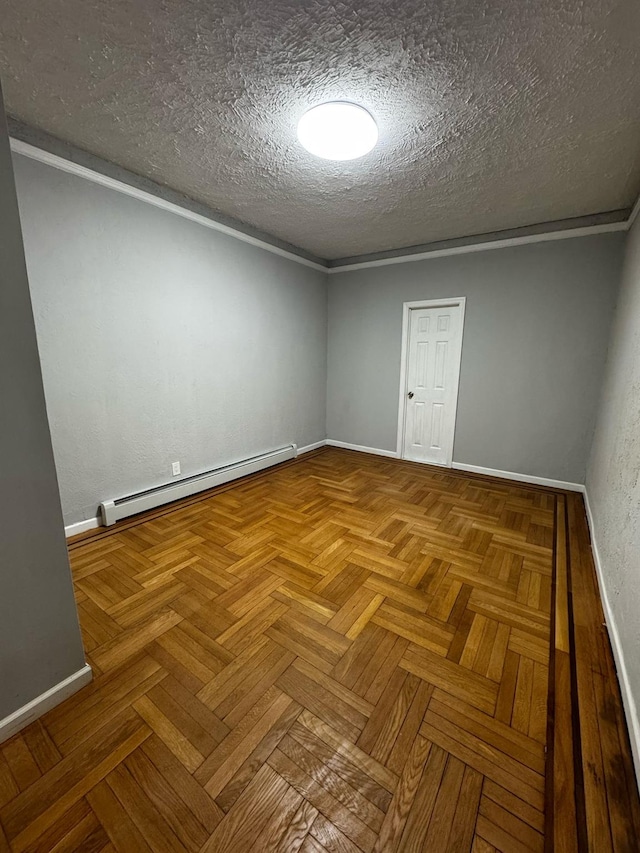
(434, 348)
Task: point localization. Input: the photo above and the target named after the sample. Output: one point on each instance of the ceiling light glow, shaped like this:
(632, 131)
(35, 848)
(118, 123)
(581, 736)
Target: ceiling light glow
(338, 130)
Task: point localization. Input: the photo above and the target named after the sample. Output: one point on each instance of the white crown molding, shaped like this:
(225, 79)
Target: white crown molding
(57, 162)
(27, 150)
(45, 702)
(566, 234)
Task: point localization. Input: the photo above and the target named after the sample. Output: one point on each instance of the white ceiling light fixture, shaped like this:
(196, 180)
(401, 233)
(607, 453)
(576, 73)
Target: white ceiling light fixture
(338, 130)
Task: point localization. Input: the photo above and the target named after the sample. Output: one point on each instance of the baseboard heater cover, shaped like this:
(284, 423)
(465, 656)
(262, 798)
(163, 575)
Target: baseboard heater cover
(120, 508)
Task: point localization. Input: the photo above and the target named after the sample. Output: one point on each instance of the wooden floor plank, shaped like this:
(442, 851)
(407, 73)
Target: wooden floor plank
(401, 805)
(347, 654)
(151, 823)
(26, 816)
(181, 820)
(608, 811)
(419, 818)
(65, 828)
(118, 825)
(324, 801)
(182, 782)
(298, 829)
(243, 825)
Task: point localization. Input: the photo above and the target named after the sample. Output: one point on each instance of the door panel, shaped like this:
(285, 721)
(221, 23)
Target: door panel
(433, 366)
(441, 365)
(437, 412)
(423, 362)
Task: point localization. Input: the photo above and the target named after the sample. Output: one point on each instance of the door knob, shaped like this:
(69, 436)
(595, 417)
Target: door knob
(410, 395)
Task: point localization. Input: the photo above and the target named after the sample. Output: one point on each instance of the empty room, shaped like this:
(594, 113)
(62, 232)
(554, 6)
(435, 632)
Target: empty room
(320, 419)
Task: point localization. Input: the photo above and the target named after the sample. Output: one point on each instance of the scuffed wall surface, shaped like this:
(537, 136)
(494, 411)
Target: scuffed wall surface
(492, 114)
(535, 340)
(162, 340)
(613, 477)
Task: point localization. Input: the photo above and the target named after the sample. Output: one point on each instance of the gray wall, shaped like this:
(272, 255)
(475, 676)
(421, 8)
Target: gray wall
(162, 340)
(535, 338)
(613, 480)
(40, 641)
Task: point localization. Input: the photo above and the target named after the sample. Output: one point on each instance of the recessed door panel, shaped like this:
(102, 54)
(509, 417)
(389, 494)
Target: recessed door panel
(418, 425)
(441, 365)
(423, 364)
(437, 414)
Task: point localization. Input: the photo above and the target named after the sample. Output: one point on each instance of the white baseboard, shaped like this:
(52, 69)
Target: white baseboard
(522, 478)
(630, 708)
(310, 447)
(473, 469)
(81, 527)
(375, 450)
(45, 702)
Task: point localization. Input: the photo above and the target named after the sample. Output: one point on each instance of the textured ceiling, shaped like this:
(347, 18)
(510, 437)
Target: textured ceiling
(493, 114)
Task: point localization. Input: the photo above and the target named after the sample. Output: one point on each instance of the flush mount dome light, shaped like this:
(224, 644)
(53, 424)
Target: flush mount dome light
(338, 130)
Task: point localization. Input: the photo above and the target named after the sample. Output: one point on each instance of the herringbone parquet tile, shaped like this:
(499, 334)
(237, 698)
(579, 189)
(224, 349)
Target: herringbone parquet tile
(343, 654)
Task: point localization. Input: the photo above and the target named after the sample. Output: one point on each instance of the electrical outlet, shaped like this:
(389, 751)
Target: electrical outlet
(175, 468)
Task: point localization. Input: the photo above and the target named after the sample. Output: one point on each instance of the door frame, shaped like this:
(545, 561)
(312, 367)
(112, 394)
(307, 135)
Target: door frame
(407, 308)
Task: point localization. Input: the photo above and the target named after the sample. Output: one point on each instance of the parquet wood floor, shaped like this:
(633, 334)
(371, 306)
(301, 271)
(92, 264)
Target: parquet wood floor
(345, 654)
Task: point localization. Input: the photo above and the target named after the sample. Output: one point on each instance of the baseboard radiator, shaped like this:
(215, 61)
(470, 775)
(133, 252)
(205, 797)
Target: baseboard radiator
(120, 508)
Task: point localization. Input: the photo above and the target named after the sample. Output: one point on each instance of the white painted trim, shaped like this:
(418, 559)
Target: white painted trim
(472, 469)
(20, 147)
(630, 708)
(361, 448)
(522, 478)
(310, 447)
(69, 166)
(404, 356)
(45, 702)
(634, 213)
(81, 527)
(566, 234)
(407, 307)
